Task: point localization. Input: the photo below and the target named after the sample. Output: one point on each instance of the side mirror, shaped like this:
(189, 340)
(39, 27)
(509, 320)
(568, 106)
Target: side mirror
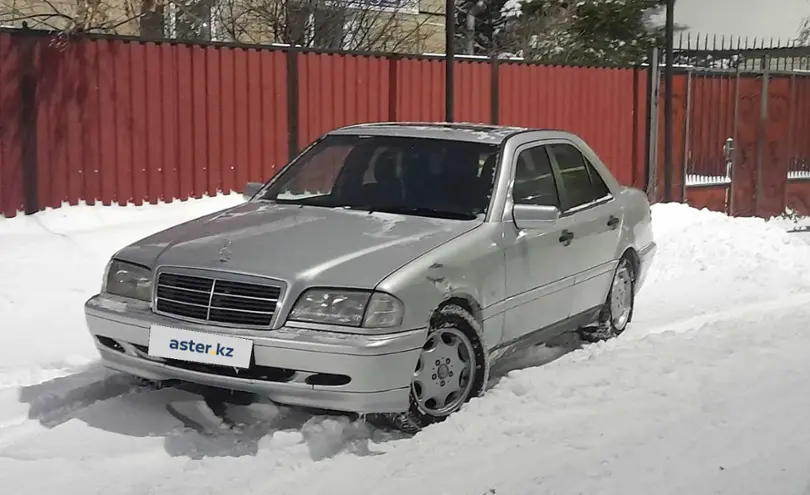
(251, 189)
(530, 217)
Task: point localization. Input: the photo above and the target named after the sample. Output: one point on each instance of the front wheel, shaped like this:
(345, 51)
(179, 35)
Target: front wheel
(452, 369)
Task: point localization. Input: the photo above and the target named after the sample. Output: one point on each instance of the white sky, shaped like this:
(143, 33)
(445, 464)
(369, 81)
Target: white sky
(760, 18)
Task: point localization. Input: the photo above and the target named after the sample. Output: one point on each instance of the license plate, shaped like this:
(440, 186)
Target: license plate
(199, 347)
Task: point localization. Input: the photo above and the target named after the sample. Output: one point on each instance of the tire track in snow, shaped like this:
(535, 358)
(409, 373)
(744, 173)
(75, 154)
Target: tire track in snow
(796, 300)
(541, 355)
(55, 402)
(554, 429)
(21, 377)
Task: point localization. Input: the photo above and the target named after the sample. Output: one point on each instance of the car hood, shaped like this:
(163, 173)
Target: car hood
(293, 243)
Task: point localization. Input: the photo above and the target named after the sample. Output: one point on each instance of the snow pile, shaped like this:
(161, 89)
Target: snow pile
(144, 218)
(792, 221)
(708, 261)
(696, 241)
(684, 403)
(52, 263)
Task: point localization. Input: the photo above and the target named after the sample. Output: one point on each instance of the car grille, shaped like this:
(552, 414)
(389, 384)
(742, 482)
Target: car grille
(216, 300)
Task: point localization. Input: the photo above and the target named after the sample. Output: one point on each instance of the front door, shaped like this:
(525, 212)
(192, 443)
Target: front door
(596, 225)
(539, 263)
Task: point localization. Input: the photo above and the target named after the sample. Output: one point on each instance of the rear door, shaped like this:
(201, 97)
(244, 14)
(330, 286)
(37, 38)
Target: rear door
(595, 222)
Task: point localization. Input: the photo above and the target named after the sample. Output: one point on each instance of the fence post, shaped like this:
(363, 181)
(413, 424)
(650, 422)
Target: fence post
(449, 58)
(393, 86)
(293, 117)
(763, 123)
(653, 102)
(28, 121)
(687, 127)
(668, 103)
(495, 89)
(635, 138)
(732, 188)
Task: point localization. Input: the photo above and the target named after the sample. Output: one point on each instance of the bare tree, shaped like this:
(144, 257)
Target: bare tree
(369, 25)
(372, 25)
(110, 16)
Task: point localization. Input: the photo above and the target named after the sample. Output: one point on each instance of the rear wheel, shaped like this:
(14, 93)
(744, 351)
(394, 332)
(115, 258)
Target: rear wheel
(451, 369)
(617, 311)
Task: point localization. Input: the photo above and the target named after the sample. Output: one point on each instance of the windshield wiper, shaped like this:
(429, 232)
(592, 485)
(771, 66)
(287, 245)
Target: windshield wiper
(316, 203)
(308, 201)
(399, 209)
(424, 212)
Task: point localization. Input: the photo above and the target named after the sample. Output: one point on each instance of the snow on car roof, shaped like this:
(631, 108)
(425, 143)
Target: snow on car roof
(457, 131)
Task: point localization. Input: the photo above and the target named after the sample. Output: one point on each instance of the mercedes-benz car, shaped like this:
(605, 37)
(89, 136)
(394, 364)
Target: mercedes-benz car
(383, 271)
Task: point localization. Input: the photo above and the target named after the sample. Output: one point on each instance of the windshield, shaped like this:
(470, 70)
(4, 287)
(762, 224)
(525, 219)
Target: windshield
(429, 177)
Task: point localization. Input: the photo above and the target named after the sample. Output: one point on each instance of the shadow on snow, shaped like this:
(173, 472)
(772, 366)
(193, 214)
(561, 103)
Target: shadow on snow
(124, 405)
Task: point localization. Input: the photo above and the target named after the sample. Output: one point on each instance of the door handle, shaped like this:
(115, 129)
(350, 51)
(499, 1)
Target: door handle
(613, 222)
(566, 237)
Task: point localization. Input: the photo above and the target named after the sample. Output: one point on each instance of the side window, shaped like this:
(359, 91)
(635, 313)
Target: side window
(581, 181)
(534, 181)
(599, 187)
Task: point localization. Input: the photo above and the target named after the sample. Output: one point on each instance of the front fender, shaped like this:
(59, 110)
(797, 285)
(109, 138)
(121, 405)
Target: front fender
(470, 267)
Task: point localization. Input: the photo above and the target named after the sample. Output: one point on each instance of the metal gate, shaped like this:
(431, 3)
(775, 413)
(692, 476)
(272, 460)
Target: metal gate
(741, 127)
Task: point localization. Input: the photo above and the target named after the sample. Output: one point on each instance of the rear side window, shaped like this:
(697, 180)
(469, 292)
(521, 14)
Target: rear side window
(600, 189)
(581, 181)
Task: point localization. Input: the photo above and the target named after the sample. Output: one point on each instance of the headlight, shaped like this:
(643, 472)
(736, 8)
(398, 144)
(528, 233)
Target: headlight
(127, 280)
(348, 307)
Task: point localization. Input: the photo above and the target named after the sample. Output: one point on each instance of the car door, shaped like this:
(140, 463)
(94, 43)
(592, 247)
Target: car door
(538, 275)
(595, 223)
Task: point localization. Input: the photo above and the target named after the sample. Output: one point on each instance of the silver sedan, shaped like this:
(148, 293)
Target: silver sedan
(383, 271)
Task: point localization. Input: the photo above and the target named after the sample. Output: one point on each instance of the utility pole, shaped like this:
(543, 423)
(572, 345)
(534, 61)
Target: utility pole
(668, 78)
(450, 55)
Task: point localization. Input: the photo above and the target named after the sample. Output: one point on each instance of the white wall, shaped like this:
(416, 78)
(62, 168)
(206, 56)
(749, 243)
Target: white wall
(760, 18)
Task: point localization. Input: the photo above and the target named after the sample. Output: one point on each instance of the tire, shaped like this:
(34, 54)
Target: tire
(150, 384)
(453, 368)
(617, 311)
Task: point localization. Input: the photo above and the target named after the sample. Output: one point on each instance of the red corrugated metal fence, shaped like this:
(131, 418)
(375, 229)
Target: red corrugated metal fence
(120, 121)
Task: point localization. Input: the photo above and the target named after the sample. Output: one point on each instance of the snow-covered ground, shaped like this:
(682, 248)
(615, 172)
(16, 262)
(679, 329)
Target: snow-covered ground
(792, 222)
(701, 395)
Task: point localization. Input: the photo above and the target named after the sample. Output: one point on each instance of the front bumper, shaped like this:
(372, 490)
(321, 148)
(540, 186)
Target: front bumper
(294, 366)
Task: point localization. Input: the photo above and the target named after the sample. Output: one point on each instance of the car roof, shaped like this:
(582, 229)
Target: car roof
(456, 131)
